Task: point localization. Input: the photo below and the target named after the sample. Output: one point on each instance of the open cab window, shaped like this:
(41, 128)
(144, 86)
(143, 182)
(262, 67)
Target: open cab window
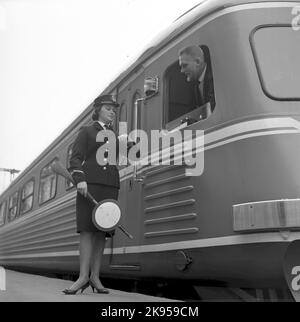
(183, 103)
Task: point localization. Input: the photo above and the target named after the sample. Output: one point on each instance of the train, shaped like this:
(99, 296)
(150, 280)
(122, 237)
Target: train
(234, 223)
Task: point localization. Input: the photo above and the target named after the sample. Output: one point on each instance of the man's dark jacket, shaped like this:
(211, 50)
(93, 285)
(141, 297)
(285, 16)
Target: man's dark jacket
(209, 95)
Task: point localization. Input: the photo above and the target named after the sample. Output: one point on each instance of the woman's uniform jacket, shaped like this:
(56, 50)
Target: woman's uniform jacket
(83, 162)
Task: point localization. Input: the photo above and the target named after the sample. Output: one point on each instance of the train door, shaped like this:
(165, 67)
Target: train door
(168, 211)
(170, 208)
(126, 257)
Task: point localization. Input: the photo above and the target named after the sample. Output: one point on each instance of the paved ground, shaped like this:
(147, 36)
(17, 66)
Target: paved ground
(22, 287)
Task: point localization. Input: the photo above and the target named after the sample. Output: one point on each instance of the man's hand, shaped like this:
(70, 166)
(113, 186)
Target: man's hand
(82, 188)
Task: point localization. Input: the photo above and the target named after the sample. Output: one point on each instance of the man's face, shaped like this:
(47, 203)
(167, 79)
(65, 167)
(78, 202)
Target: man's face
(190, 67)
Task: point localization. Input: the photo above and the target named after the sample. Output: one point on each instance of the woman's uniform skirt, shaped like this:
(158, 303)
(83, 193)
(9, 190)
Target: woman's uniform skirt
(85, 207)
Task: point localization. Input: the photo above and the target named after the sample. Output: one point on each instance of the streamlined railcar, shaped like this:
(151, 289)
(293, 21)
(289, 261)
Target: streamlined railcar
(234, 222)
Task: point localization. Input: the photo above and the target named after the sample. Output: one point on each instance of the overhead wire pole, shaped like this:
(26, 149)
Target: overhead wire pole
(11, 171)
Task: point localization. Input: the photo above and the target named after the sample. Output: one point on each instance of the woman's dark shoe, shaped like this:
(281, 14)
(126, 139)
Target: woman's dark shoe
(98, 290)
(73, 292)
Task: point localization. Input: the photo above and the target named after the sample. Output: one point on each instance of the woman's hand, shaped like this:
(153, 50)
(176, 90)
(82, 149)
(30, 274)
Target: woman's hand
(82, 188)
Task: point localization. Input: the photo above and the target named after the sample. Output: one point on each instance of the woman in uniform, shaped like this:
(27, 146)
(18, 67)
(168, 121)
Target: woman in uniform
(102, 182)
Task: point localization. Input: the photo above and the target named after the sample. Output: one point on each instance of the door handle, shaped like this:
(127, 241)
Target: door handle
(140, 180)
(130, 184)
(136, 177)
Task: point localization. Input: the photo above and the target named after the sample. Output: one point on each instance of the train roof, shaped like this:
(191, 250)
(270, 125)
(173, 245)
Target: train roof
(185, 21)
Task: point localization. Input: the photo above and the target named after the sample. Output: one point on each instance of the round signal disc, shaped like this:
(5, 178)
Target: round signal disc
(107, 215)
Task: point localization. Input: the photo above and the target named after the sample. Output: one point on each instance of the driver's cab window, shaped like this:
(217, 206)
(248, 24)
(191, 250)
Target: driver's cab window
(122, 116)
(189, 87)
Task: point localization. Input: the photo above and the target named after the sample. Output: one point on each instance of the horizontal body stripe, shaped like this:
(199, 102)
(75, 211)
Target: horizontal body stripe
(246, 239)
(226, 135)
(252, 135)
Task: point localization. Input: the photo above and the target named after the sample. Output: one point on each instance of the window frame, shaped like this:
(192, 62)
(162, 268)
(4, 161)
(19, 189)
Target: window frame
(56, 180)
(17, 205)
(123, 107)
(257, 64)
(32, 194)
(4, 212)
(166, 99)
(67, 186)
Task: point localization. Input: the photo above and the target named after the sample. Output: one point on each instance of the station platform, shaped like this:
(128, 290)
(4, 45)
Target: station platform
(21, 287)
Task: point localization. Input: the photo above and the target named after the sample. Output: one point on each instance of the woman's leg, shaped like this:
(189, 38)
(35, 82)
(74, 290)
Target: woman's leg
(96, 261)
(86, 247)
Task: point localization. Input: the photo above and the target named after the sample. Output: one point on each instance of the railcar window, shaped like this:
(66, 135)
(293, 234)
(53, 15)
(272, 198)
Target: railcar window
(276, 50)
(2, 213)
(69, 184)
(123, 113)
(48, 180)
(182, 97)
(13, 206)
(121, 116)
(27, 197)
